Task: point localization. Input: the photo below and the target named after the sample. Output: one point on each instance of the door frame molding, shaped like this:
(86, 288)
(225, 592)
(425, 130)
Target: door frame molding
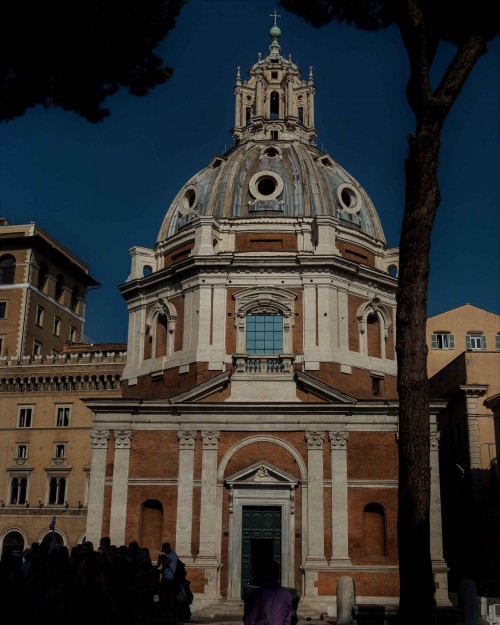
(261, 485)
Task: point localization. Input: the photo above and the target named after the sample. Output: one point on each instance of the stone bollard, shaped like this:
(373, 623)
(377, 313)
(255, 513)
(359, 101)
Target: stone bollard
(345, 600)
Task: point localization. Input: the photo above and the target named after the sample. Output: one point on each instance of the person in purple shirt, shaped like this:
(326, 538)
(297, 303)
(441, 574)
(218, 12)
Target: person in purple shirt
(271, 604)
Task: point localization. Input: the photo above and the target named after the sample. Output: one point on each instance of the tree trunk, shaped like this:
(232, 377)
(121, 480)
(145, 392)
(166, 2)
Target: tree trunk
(417, 604)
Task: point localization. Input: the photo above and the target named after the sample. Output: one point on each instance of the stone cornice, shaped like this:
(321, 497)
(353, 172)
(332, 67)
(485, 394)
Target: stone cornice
(60, 381)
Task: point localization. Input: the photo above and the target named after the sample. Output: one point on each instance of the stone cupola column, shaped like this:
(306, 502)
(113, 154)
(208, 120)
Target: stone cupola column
(259, 98)
(119, 492)
(340, 514)
(99, 443)
(208, 518)
(289, 98)
(184, 526)
(315, 502)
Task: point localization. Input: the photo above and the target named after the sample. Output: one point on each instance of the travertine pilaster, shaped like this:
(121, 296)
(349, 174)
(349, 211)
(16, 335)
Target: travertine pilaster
(340, 516)
(119, 492)
(315, 501)
(99, 442)
(184, 526)
(208, 517)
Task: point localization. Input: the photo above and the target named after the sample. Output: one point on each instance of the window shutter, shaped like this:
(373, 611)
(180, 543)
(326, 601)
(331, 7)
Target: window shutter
(434, 341)
(483, 342)
(452, 341)
(467, 342)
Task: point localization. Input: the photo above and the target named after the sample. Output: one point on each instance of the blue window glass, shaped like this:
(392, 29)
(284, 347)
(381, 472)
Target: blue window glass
(264, 334)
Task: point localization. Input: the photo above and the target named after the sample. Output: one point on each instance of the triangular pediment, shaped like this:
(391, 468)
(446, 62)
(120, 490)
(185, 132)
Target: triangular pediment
(320, 389)
(261, 473)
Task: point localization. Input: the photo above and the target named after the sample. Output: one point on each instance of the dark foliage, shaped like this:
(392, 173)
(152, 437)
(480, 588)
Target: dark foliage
(73, 55)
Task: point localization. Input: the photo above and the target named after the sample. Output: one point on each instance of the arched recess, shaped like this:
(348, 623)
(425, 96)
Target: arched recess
(151, 524)
(264, 486)
(53, 539)
(160, 330)
(7, 269)
(373, 317)
(374, 531)
(265, 301)
(14, 540)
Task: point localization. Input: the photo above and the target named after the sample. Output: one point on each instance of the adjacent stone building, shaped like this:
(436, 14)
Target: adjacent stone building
(45, 372)
(464, 370)
(259, 415)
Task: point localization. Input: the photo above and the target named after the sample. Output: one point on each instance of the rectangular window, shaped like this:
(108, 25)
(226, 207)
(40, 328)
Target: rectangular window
(37, 348)
(442, 340)
(40, 312)
(57, 490)
(60, 450)
(62, 416)
(22, 451)
(3, 310)
(18, 490)
(497, 342)
(264, 334)
(475, 341)
(25, 416)
(57, 326)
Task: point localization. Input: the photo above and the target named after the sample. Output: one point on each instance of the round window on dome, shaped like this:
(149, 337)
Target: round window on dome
(266, 185)
(271, 152)
(189, 200)
(349, 198)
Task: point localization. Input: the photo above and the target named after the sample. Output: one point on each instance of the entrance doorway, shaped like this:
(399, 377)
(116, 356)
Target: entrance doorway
(261, 542)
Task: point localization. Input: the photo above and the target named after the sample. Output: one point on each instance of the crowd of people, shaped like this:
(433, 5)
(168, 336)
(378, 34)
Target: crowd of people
(108, 585)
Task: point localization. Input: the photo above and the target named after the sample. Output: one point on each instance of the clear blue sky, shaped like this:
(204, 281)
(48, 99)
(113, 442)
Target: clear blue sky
(101, 188)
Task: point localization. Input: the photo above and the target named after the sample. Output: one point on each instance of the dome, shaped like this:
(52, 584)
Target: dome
(273, 178)
(275, 169)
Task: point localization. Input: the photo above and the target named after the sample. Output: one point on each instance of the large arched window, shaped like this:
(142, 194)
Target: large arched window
(160, 330)
(373, 336)
(373, 325)
(7, 269)
(264, 321)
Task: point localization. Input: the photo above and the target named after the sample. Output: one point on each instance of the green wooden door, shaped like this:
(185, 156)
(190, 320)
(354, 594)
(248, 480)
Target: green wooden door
(261, 542)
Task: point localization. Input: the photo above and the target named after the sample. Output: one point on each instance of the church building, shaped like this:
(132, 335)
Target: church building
(259, 414)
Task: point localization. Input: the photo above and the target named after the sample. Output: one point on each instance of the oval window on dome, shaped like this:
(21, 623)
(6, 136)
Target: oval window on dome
(349, 198)
(266, 185)
(189, 200)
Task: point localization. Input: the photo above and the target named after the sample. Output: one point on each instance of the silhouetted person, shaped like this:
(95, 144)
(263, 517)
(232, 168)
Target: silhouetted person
(271, 603)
